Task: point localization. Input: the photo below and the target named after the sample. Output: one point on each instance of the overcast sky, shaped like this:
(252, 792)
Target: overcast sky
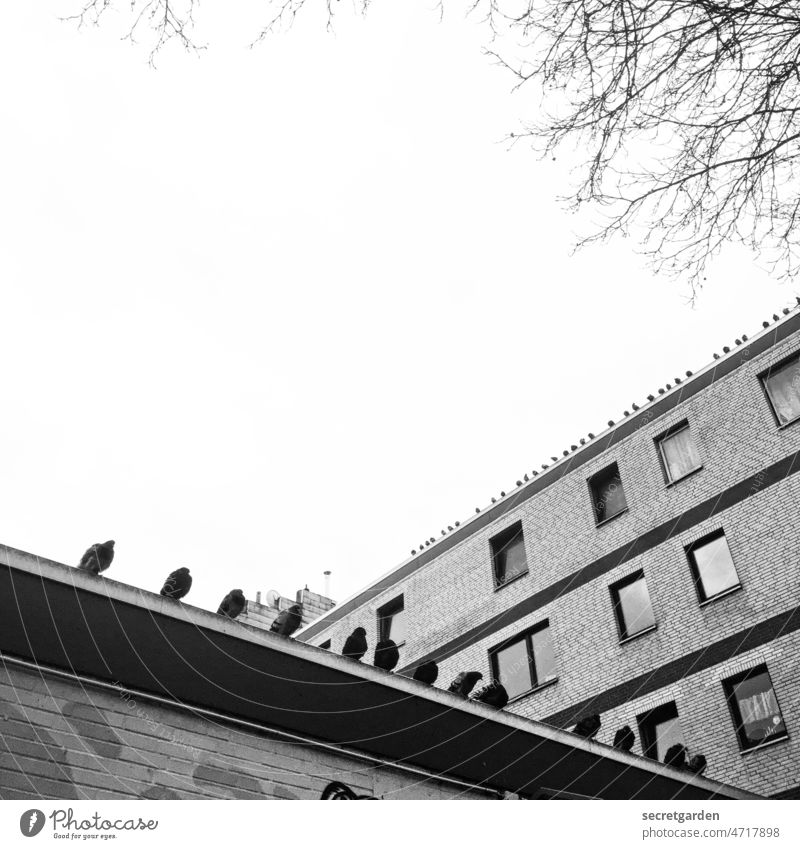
(275, 311)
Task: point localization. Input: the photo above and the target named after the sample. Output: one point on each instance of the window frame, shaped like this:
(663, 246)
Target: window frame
(592, 482)
(527, 637)
(386, 612)
(645, 723)
(614, 589)
(496, 544)
(728, 685)
(661, 439)
(702, 598)
(765, 375)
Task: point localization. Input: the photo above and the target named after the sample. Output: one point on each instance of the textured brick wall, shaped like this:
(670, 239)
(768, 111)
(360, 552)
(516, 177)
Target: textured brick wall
(736, 437)
(60, 739)
(262, 615)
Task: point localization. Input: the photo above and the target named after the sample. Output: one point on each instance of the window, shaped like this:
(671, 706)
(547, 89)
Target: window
(392, 621)
(632, 606)
(754, 708)
(782, 385)
(679, 455)
(659, 729)
(608, 496)
(508, 555)
(326, 645)
(525, 662)
(712, 566)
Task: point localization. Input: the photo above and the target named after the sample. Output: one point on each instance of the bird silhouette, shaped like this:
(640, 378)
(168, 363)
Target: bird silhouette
(588, 726)
(287, 621)
(427, 673)
(233, 604)
(355, 646)
(463, 683)
(387, 655)
(493, 694)
(676, 756)
(624, 739)
(97, 558)
(177, 584)
(697, 764)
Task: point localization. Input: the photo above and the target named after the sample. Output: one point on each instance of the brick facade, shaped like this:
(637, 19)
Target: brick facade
(260, 615)
(62, 739)
(748, 485)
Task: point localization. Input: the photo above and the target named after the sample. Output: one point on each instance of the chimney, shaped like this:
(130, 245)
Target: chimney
(327, 575)
(258, 597)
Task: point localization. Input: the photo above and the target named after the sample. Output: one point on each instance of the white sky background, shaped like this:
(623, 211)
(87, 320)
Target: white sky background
(269, 312)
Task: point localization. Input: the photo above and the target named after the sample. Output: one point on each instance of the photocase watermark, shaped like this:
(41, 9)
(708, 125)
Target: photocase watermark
(32, 822)
(157, 727)
(65, 825)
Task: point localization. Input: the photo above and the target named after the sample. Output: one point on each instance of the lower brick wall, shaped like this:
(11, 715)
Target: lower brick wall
(61, 739)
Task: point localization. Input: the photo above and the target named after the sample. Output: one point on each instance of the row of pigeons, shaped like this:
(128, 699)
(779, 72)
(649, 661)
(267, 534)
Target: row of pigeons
(676, 755)
(97, 558)
(387, 657)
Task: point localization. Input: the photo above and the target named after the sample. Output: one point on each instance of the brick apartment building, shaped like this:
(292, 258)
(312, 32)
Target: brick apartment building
(650, 575)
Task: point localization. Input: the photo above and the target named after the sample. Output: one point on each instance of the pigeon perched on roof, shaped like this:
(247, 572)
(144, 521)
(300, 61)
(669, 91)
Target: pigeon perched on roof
(177, 584)
(97, 558)
(588, 726)
(355, 646)
(233, 604)
(287, 621)
(463, 683)
(387, 655)
(697, 764)
(624, 739)
(493, 694)
(676, 756)
(427, 673)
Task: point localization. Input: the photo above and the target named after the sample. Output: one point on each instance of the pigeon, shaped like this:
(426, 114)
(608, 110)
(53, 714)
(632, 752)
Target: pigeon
(464, 682)
(676, 756)
(697, 764)
(427, 673)
(98, 557)
(233, 604)
(386, 655)
(177, 584)
(355, 646)
(624, 739)
(493, 694)
(287, 621)
(588, 726)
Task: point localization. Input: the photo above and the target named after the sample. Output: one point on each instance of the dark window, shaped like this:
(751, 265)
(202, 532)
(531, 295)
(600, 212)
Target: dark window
(508, 554)
(632, 605)
(782, 384)
(326, 645)
(679, 455)
(392, 621)
(608, 496)
(712, 566)
(754, 707)
(659, 729)
(525, 662)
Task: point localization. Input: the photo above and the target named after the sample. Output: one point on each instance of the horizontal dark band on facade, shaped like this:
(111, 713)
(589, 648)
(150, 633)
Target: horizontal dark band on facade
(685, 521)
(676, 670)
(582, 456)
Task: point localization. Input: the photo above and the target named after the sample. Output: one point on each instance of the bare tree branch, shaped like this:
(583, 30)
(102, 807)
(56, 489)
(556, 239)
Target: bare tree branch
(686, 110)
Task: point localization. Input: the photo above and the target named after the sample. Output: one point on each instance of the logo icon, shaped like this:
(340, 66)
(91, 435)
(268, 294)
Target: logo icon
(31, 822)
